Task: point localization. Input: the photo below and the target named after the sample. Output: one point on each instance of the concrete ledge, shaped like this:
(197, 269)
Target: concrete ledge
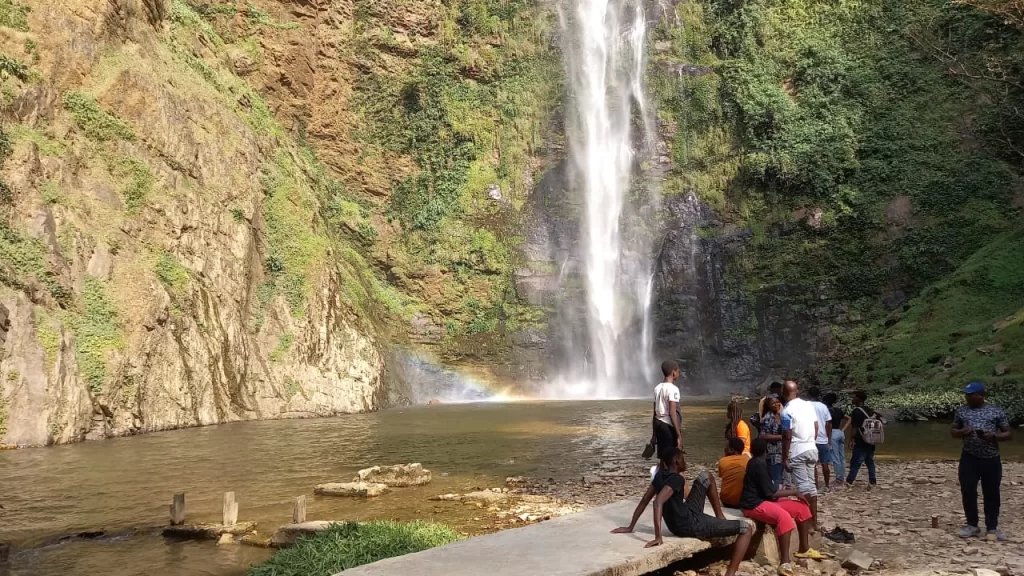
(575, 545)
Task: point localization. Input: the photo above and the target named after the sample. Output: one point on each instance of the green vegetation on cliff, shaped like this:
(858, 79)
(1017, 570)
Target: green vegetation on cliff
(870, 148)
(348, 545)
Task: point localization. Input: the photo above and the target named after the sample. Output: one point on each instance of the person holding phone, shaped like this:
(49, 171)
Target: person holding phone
(982, 426)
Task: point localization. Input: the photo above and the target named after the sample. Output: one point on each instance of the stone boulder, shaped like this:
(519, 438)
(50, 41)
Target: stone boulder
(398, 476)
(287, 535)
(351, 489)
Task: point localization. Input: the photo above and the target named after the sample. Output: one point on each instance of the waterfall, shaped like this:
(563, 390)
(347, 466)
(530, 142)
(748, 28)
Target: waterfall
(610, 132)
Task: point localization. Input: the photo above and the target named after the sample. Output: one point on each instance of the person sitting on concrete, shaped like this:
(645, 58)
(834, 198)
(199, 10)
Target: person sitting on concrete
(737, 426)
(763, 502)
(731, 469)
(799, 450)
(685, 516)
(982, 426)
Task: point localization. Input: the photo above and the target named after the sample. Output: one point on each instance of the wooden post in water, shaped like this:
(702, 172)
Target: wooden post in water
(230, 509)
(178, 509)
(299, 512)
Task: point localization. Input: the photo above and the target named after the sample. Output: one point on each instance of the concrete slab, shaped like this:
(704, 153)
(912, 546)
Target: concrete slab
(574, 545)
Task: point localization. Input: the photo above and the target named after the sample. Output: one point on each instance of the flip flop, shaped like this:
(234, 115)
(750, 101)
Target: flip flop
(812, 554)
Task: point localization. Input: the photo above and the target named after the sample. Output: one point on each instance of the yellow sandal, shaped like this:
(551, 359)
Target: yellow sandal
(812, 554)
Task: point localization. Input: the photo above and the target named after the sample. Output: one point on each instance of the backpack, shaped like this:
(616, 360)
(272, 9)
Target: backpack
(872, 431)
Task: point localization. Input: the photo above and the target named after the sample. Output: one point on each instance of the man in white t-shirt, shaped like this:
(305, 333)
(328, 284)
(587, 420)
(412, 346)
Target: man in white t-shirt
(799, 444)
(667, 416)
(825, 425)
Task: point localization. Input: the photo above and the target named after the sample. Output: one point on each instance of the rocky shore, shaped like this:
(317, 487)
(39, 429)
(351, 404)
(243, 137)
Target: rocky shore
(891, 523)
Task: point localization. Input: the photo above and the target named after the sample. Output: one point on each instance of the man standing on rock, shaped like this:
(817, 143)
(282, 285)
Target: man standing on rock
(799, 446)
(824, 438)
(982, 426)
(667, 416)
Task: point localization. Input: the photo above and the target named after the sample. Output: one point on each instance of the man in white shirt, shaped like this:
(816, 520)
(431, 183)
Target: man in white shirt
(824, 433)
(799, 444)
(667, 417)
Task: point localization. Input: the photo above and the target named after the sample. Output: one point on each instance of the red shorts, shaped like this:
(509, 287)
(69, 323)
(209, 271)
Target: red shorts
(783, 514)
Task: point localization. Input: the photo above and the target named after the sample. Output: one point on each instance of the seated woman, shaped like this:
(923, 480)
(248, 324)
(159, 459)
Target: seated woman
(763, 502)
(731, 469)
(685, 517)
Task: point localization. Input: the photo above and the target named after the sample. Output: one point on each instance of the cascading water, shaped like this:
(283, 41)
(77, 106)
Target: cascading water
(609, 134)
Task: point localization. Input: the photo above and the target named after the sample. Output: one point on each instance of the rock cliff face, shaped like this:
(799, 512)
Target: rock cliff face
(164, 260)
(725, 338)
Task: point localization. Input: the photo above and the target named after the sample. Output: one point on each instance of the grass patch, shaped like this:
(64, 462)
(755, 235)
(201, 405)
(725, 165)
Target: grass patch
(284, 344)
(137, 178)
(47, 145)
(14, 15)
(975, 317)
(172, 274)
(11, 67)
(349, 545)
(51, 193)
(97, 333)
(96, 123)
(23, 261)
(294, 248)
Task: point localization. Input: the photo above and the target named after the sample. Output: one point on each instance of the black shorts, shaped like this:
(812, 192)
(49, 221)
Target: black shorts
(699, 525)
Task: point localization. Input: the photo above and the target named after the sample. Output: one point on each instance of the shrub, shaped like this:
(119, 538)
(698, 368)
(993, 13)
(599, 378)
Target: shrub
(96, 123)
(14, 15)
(348, 545)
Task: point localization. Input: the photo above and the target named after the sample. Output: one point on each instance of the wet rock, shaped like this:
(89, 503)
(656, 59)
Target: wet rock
(207, 531)
(287, 535)
(857, 560)
(351, 489)
(514, 481)
(225, 539)
(257, 540)
(988, 350)
(398, 476)
(662, 46)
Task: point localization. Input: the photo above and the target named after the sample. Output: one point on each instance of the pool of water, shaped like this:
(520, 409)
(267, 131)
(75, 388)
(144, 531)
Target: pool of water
(123, 486)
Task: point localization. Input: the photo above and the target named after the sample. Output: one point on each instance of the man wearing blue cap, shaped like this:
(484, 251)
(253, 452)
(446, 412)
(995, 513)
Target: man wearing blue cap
(982, 426)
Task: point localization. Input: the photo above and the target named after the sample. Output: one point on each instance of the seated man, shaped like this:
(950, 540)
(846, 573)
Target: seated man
(761, 501)
(731, 469)
(685, 517)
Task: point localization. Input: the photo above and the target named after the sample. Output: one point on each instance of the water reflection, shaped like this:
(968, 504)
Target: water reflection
(125, 483)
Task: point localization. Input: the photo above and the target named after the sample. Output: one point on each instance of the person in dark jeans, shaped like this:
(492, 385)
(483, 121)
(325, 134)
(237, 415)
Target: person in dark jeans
(863, 453)
(982, 426)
